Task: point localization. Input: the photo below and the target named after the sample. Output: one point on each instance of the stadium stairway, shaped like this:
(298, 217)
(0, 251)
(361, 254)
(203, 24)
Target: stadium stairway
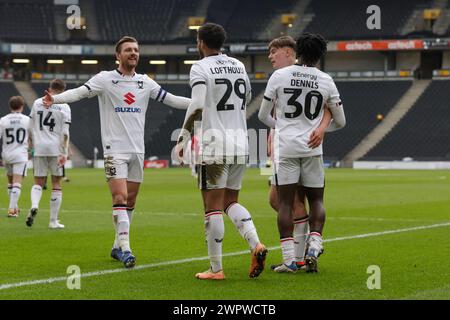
(400, 109)
(302, 20)
(91, 19)
(27, 92)
(414, 21)
(275, 28)
(443, 22)
(179, 28)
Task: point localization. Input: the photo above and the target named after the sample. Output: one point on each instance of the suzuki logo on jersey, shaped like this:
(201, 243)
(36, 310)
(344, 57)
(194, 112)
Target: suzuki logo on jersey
(129, 98)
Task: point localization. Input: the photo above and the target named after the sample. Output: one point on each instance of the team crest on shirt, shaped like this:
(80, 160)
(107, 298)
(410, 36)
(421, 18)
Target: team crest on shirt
(140, 84)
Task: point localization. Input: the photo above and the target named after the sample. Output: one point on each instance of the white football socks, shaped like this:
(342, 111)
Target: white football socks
(36, 194)
(287, 250)
(130, 214)
(9, 189)
(116, 239)
(301, 231)
(123, 227)
(14, 195)
(55, 204)
(116, 244)
(243, 222)
(214, 232)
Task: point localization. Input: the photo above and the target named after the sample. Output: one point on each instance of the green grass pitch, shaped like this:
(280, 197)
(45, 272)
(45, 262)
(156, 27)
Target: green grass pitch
(167, 234)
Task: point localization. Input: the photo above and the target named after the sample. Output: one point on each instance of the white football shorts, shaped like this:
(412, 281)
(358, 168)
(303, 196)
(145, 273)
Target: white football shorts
(220, 176)
(128, 166)
(308, 172)
(18, 168)
(43, 165)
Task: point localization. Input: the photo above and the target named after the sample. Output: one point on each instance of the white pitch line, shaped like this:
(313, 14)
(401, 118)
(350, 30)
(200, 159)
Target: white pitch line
(192, 214)
(166, 263)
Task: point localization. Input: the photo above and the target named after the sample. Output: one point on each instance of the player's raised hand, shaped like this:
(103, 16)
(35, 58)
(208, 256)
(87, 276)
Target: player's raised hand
(316, 138)
(47, 100)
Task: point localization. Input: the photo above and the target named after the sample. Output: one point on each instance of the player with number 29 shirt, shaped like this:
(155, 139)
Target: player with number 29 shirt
(220, 93)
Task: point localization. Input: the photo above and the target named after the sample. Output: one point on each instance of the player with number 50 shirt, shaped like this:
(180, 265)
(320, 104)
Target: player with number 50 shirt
(14, 134)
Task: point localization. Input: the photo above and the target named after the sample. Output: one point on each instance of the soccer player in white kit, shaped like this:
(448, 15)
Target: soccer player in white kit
(282, 53)
(49, 137)
(14, 134)
(300, 93)
(220, 93)
(123, 97)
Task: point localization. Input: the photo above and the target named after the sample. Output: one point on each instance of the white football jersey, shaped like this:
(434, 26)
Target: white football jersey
(14, 134)
(224, 121)
(47, 126)
(299, 94)
(123, 102)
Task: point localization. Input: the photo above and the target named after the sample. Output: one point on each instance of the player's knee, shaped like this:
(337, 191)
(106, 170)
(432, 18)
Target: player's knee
(120, 198)
(39, 182)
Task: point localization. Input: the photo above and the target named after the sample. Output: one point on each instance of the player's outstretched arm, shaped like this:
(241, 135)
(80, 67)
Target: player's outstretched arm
(264, 114)
(68, 96)
(177, 102)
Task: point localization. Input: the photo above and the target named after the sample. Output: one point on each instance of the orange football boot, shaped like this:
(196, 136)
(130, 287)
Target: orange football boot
(210, 275)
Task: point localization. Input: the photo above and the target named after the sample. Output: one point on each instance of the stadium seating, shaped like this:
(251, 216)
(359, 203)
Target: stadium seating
(27, 20)
(152, 20)
(423, 134)
(7, 90)
(242, 26)
(160, 21)
(334, 22)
